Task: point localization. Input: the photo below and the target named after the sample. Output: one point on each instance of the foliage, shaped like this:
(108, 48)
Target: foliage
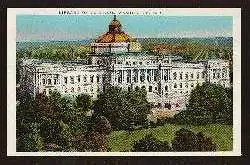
(95, 139)
(208, 103)
(124, 109)
(54, 52)
(150, 144)
(30, 141)
(186, 140)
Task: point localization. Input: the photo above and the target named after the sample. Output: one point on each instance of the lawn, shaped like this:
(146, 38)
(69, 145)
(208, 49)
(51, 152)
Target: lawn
(222, 135)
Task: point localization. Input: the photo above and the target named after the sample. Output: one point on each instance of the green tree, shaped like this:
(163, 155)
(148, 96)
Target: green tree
(208, 103)
(150, 144)
(123, 109)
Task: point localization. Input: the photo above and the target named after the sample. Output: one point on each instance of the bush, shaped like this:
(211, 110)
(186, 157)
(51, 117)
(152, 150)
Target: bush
(186, 140)
(150, 144)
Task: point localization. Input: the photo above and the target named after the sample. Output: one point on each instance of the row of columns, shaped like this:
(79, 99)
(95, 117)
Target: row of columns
(131, 73)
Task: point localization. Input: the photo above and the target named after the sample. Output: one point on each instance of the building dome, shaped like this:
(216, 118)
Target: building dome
(115, 34)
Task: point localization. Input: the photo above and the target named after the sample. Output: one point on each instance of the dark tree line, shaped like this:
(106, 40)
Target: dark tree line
(184, 140)
(60, 123)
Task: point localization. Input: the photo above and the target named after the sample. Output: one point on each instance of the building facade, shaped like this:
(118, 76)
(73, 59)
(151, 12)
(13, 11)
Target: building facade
(117, 60)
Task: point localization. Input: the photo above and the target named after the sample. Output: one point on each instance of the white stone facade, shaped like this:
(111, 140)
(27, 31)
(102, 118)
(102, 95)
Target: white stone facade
(167, 80)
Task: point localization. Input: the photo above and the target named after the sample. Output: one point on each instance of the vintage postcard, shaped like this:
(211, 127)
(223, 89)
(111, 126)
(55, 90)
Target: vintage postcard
(124, 82)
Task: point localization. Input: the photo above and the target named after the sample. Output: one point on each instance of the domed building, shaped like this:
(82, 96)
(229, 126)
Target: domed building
(115, 40)
(167, 79)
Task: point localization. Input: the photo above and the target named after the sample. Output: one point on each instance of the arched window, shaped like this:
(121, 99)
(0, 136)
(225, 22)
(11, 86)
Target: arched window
(175, 85)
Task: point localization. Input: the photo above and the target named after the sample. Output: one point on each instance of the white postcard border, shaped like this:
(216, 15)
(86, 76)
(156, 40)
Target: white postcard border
(11, 73)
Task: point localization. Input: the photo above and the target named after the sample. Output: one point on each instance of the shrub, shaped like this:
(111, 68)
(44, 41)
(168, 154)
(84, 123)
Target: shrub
(150, 144)
(186, 140)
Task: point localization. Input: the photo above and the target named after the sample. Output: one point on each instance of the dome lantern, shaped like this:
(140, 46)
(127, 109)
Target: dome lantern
(115, 26)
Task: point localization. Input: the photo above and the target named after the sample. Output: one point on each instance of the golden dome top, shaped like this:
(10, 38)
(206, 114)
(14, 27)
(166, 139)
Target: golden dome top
(115, 34)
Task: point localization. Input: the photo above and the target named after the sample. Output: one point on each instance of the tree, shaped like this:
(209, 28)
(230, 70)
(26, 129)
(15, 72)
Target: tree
(123, 109)
(95, 139)
(186, 140)
(150, 144)
(209, 103)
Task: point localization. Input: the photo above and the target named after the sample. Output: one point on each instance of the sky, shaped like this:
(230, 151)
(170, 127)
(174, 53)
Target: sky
(79, 27)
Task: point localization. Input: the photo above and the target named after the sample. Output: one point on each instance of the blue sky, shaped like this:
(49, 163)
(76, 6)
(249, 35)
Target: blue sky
(76, 27)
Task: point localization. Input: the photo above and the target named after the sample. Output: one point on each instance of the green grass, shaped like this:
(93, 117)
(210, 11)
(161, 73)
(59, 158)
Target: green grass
(222, 136)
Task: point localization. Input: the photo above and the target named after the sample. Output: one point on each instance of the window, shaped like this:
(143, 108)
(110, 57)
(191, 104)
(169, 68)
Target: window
(127, 63)
(180, 85)
(133, 63)
(166, 88)
(129, 89)
(43, 81)
(150, 89)
(84, 79)
(174, 75)
(192, 85)
(44, 91)
(192, 75)
(49, 81)
(186, 76)
(78, 78)
(159, 105)
(203, 74)
(156, 88)
(218, 75)
(175, 85)
(97, 78)
(71, 79)
(92, 79)
(78, 89)
(186, 85)
(54, 81)
(198, 75)
(65, 80)
(140, 63)
(72, 89)
(180, 76)
(143, 87)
